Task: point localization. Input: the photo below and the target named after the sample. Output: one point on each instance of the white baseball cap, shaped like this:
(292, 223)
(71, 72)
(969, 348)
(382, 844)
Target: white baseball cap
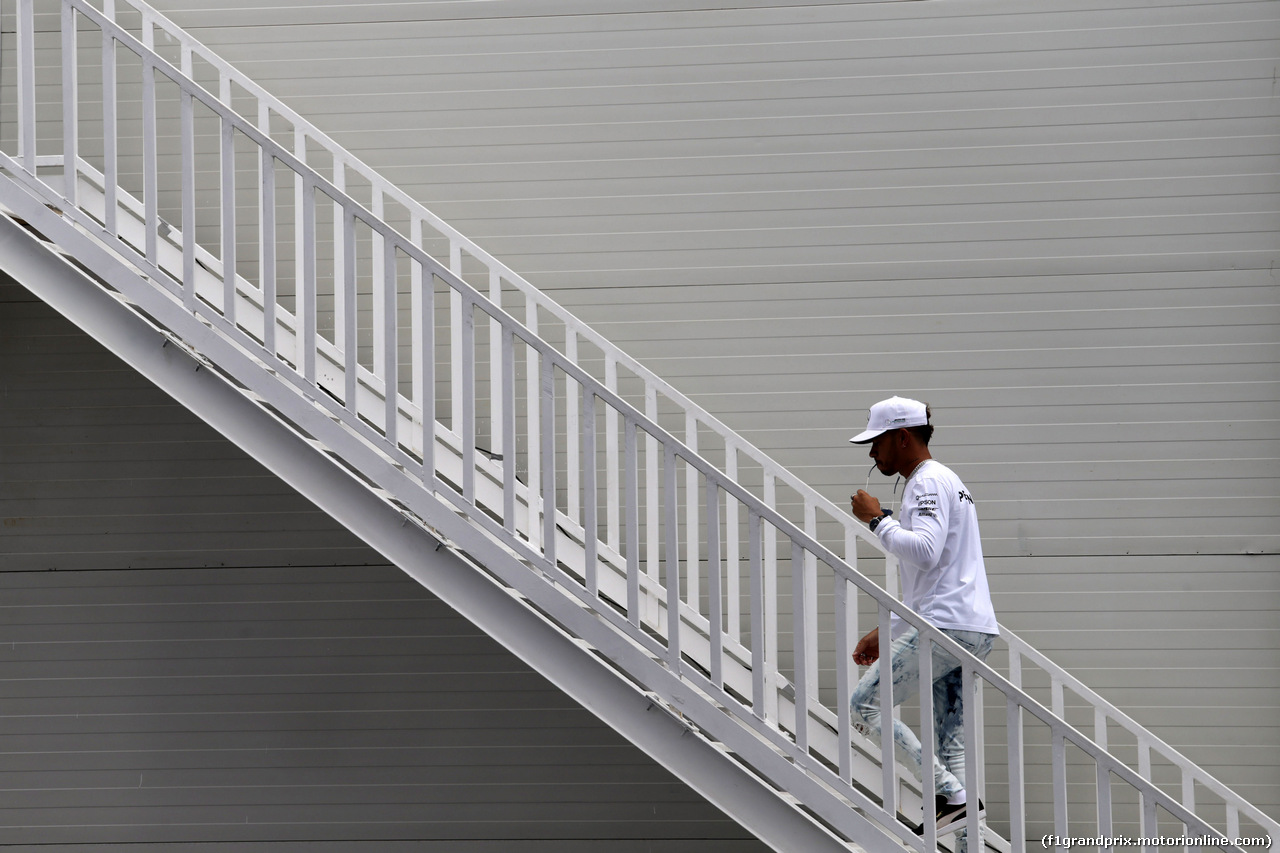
(894, 413)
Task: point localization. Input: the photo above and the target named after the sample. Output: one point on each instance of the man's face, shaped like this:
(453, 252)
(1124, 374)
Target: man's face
(885, 451)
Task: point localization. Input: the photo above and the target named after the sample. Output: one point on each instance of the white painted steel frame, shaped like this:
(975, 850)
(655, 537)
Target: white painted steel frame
(473, 593)
(536, 540)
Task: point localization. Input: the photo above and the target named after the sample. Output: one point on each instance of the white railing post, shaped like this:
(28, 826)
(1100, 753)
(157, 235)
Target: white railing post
(733, 557)
(888, 772)
(70, 106)
(344, 263)
(632, 512)
(390, 341)
(189, 202)
(533, 418)
(590, 495)
(110, 130)
(345, 299)
(547, 414)
(693, 588)
(227, 201)
(572, 458)
(671, 537)
(846, 636)
(928, 737)
(651, 523)
(1017, 790)
(803, 622)
(267, 183)
(715, 609)
(27, 86)
(759, 666)
(497, 402)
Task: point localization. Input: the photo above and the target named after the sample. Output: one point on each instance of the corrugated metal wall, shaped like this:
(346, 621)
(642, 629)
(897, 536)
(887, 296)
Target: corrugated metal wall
(1055, 222)
(191, 654)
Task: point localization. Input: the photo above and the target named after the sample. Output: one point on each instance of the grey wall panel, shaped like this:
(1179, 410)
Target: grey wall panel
(191, 654)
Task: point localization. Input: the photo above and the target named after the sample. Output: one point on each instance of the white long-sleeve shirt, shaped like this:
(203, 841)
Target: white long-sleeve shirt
(939, 551)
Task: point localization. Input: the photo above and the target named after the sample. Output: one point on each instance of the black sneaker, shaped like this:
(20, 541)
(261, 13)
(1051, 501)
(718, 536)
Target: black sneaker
(951, 817)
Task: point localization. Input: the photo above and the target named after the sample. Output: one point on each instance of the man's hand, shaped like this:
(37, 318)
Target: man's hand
(867, 651)
(865, 506)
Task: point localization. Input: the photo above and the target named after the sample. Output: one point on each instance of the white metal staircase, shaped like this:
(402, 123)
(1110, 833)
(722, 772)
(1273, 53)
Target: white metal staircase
(590, 510)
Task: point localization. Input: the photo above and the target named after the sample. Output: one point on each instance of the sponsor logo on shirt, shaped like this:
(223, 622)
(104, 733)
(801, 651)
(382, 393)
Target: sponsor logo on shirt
(965, 496)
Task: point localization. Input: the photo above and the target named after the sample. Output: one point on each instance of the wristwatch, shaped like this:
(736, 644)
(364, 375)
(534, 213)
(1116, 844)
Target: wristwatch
(875, 522)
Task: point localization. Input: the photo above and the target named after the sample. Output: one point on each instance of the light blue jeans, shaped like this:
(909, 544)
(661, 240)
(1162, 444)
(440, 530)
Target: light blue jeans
(948, 704)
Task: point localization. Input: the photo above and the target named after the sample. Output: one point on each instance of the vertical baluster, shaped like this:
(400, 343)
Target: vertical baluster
(975, 748)
(611, 461)
(384, 321)
(572, 404)
(533, 385)
(27, 85)
(1105, 821)
(497, 402)
(652, 526)
(268, 252)
(266, 217)
(851, 557)
(344, 259)
(188, 201)
(1017, 793)
(305, 322)
(380, 317)
(810, 590)
(715, 608)
(150, 179)
(1059, 751)
(300, 240)
(888, 773)
(416, 331)
(508, 431)
(110, 129)
(771, 594)
(467, 430)
(427, 366)
(802, 620)
(758, 645)
(1146, 804)
(979, 777)
(548, 415)
(733, 559)
(456, 356)
(70, 105)
(927, 735)
(390, 343)
(692, 580)
(227, 192)
(344, 303)
(846, 635)
(590, 495)
(671, 535)
(632, 507)
(1150, 826)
